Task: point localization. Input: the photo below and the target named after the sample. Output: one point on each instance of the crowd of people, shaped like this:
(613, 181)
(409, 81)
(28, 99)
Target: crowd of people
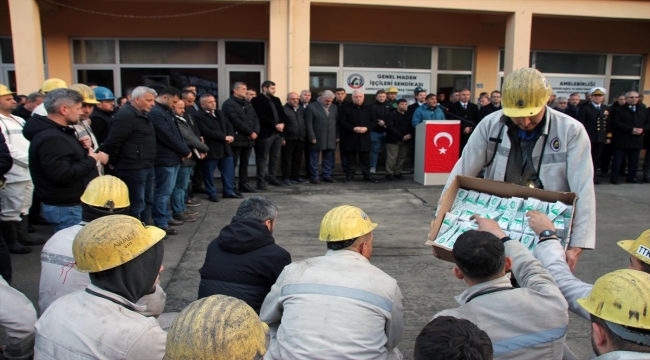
(113, 184)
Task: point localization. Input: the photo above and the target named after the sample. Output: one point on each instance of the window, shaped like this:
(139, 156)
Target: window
(168, 52)
(99, 77)
(447, 83)
(387, 56)
(570, 63)
(93, 51)
(502, 59)
(7, 51)
(323, 54)
(206, 80)
(455, 59)
(244, 53)
(321, 81)
(626, 65)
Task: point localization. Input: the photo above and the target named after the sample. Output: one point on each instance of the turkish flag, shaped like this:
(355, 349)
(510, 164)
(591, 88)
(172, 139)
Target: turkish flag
(442, 147)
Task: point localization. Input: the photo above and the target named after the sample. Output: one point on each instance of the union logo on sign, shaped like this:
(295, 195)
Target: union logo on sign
(355, 81)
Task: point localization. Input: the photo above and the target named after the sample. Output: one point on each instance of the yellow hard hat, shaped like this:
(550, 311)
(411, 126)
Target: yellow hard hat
(218, 327)
(106, 192)
(53, 84)
(345, 223)
(111, 241)
(392, 89)
(639, 248)
(86, 92)
(4, 90)
(525, 92)
(621, 297)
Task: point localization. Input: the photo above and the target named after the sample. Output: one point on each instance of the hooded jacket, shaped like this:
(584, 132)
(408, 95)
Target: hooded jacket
(103, 321)
(243, 262)
(59, 165)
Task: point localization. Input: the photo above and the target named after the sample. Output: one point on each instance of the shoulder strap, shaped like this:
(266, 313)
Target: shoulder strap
(496, 141)
(491, 291)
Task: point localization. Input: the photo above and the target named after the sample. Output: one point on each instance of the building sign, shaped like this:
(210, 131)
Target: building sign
(371, 81)
(567, 85)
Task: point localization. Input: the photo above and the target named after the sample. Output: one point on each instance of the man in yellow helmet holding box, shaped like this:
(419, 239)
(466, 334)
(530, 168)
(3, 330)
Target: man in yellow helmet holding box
(529, 144)
(338, 305)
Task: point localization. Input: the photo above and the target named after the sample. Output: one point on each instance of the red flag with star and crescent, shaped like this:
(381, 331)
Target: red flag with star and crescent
(442, 147)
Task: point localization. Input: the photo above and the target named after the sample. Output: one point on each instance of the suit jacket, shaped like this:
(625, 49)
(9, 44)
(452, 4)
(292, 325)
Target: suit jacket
(353, 116)
(262, 106)
(471, 113)
(214, 130)
(487, 110)
(622, 123)
(596, 122)
(411, 108)
(322, 127)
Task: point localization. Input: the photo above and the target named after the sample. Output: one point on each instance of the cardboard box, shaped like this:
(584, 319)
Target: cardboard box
(492, 187)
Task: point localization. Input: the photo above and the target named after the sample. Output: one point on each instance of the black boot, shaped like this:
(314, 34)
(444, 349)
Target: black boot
(9, 231)
(23, 234)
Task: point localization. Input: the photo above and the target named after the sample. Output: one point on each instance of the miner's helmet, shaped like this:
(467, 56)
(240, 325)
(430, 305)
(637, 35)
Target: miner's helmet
(524, 93)
(639, 248)
(345, 223)
(52, 84)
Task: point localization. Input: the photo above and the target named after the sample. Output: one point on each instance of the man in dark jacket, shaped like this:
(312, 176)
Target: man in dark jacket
(294, 140)
(574, 105)
(357, 120)
(199, 150)
(381, 108)
(25, 110)
(102, 116)
(242, 117)
(170, 150)
(244, 261)
(131, 147)
(189, 99)
(60, 164)
(494, 105)
(339, 101)
(468, 111)
(218, 134)
(398, 138)
(322, 136)
(268, 145)
(420, 96)
(629, 123)
(595, 117)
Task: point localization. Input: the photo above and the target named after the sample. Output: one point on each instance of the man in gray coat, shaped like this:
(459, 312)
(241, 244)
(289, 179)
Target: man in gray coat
(199, 150)
(322, 134)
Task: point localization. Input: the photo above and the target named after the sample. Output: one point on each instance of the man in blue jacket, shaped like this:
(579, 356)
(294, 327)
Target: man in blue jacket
(429, 111)
(170, 150)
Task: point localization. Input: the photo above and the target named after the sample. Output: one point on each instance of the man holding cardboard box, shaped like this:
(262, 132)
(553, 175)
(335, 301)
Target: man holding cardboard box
(529, 144)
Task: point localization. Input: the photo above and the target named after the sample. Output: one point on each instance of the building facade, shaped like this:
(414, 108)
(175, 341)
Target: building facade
(324, 44)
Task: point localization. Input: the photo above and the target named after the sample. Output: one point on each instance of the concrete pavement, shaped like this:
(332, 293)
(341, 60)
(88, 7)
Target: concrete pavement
(403, 210)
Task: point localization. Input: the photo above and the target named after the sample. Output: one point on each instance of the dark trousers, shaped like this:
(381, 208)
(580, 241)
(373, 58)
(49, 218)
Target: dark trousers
(605, 159)
(5, 261)
(227, 170)
(140, 184)
(197, 177)
(632, 156)
(596, 150)
(306, 151)
(327, 165)
(291, 159)
(267, 154)
(344, 161)
(358, 157)
(242, 154)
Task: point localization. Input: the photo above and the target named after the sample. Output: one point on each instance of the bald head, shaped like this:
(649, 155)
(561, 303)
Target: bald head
(293, 99)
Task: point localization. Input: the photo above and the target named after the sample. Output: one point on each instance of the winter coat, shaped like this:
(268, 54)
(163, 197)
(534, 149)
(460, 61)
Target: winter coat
(507, 315)
(471, 114)
(170, 147)
(191, 140)
(100, 122)
(321, 127)
(21, 112)
(487, 110)
(214, 130)
(105, 326)
(353, 116)
(623, 120)
(573, 111)
(131, 142)
(596, 122)
(566, 165)
(57, 254)
(59, 165)
(337, 306)
(242, 116)
(425, 112)
(12, 129)
(398, 125)
(243, 262)
(381, 111)
(264, 111)
(294, 128)
(6, 162)
(413, 107)
(17, 317)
